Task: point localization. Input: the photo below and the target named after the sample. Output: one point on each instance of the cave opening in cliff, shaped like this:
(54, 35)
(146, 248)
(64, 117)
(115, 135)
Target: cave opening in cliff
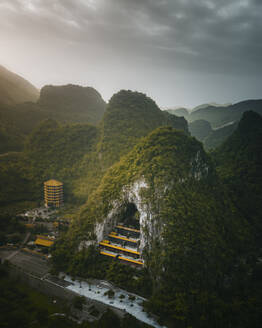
(130, 216)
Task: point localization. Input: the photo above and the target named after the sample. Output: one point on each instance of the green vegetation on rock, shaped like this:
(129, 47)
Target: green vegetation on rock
(179, 112)
(51, 151)
(79, 154)
(239, 164)
(72, 103)
(130, 116)
(66, 104)
(211, 138)
(200, 214)
(196, 225)
(202, 248)
(200, 129)
(218, 136)
(14, 89)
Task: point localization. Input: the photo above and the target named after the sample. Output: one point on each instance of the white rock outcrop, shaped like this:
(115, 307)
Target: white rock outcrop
(129, 194)
(150, 225)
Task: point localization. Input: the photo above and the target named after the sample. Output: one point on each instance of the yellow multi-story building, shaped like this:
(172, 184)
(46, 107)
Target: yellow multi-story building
(53, 191)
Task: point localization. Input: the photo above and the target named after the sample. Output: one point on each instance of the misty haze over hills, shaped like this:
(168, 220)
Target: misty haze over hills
(118, 207)
(213, 123)
(128, 162)
(197, 51)
(210, 123)
(14, 89)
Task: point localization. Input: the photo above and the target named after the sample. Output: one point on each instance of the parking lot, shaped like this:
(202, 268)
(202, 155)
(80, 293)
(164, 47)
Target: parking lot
(29, 263)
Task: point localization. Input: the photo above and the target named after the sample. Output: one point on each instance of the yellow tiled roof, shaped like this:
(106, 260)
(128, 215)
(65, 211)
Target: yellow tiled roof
(128, 229)
(122, 238)
(119, 248)
(53, 182)
(122, 258)
(130, 260)
(44, 242)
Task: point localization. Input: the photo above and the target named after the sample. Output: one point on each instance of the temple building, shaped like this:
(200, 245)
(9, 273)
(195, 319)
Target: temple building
(53, 192)
(44, 241)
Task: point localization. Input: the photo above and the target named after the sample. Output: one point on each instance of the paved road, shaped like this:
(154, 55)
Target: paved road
(10, 153)
(26, 239)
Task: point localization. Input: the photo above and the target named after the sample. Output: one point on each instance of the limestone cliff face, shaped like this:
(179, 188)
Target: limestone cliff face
(130, 194)
(199, 167)
(164, 160)
(148, 208)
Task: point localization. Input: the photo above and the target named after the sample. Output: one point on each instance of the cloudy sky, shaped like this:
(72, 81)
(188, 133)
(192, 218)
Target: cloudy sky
(179, 52)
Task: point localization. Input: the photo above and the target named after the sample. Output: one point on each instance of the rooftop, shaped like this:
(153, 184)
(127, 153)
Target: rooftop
(43, 242)
(53, 182)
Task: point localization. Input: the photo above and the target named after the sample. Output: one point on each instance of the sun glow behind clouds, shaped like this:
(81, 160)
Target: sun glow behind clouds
(164, 48)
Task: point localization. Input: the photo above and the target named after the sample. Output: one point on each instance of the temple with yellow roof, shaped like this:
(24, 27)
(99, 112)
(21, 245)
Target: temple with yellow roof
(44, 241)
(53, 193)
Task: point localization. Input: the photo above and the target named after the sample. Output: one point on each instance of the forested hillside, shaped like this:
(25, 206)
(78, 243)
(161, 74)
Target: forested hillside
(130, 116)
(72, 103)
(200, 249)
(14, 89)
(21, 110)
(218, 136)
(78, 154)
(52, 151)
(199, 213)
(239, 164)
(211, 138)
(200, 129)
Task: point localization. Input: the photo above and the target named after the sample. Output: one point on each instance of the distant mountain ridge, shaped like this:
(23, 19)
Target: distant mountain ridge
(14, 89)
(22, 107)
(211, 138)
(213, 104)
(69, 103)
(213, 123)
(179, 112)
(72, 103)
(218, 116)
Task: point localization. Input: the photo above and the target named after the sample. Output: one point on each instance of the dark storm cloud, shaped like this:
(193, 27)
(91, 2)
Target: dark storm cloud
(207, 36)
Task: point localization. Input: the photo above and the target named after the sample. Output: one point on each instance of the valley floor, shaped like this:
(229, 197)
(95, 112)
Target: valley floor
(130, 303)
(36, 270)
